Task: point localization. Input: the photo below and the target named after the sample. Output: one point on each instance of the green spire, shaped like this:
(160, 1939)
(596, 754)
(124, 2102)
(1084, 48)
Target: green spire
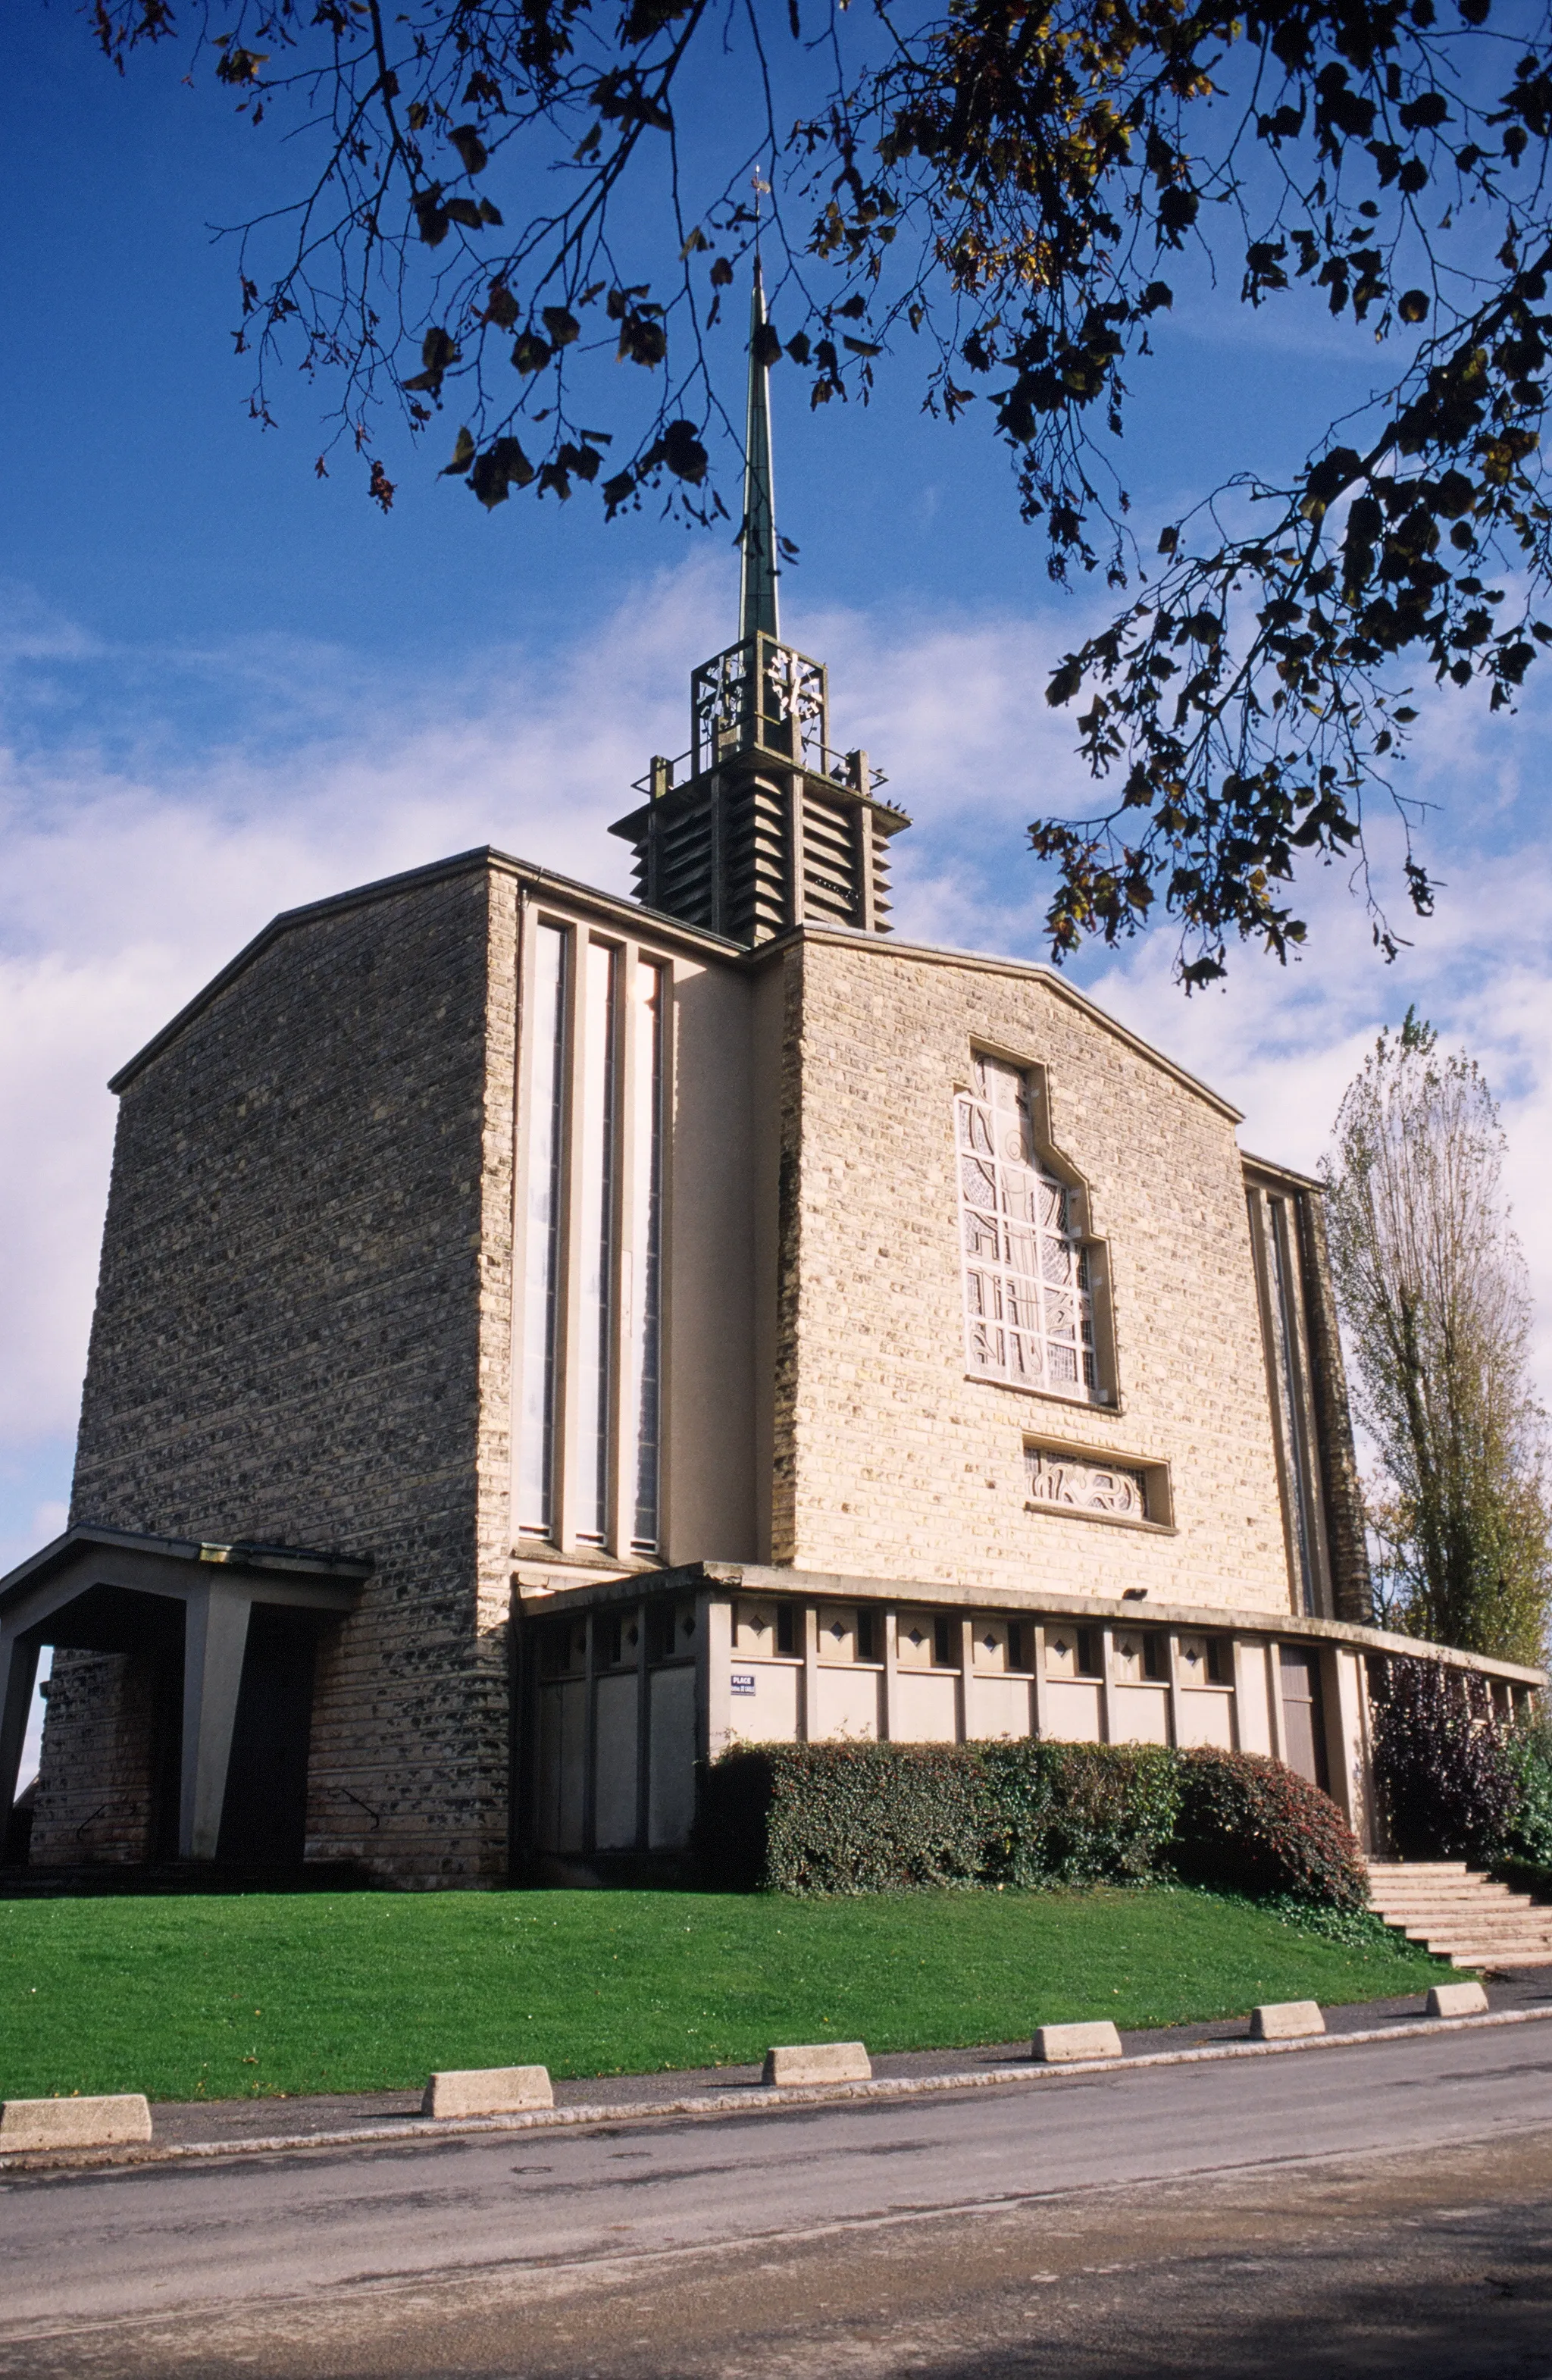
(758, 589)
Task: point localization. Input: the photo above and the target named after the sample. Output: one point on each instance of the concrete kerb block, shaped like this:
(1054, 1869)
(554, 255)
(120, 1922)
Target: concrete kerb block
(105, 2123)
(1286, 2020)
(818, 2061)
(488, 2090)
(1457, 1999)
(1060, 2044)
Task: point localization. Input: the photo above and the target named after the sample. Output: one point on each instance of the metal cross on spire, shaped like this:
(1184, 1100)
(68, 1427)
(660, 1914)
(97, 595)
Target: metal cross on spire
(757, 587)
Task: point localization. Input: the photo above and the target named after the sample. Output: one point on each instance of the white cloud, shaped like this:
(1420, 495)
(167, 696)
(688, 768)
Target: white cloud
(141, 858)
(128, 884)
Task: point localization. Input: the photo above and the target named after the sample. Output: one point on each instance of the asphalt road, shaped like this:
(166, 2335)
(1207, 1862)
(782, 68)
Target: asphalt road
(1379, 2210)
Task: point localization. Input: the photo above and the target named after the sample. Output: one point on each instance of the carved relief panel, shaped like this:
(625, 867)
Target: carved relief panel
(1096, 1487)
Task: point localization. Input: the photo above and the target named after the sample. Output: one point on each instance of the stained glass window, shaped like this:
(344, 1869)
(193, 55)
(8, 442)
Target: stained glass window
(1028, 1309)
(542, 1272)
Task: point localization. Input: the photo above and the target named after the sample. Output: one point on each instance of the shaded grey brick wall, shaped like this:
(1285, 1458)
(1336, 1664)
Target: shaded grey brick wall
(291, 1321)
(98, 1803)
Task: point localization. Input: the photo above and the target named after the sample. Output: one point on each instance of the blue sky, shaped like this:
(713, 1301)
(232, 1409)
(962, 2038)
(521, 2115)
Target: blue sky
(226, 685)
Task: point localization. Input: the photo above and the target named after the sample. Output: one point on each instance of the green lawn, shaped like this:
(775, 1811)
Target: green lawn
(369, 1991)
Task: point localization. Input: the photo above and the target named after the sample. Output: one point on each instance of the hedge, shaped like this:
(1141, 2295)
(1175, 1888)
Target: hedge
(848, 1817)
(1249, 1824)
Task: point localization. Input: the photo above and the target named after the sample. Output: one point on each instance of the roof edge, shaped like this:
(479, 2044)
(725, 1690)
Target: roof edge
(294, 1562)
(1269, 1165)
(388, 888)
(1030, 970)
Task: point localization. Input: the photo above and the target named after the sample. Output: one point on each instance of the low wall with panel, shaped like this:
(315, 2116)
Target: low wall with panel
(632, 1682)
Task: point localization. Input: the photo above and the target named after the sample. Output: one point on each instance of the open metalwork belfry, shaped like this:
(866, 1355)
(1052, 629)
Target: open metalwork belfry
(761, 825)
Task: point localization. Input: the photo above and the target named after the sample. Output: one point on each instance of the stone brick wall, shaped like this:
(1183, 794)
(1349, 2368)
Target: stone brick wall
(891, 1461)
(489, 1703)
(300, 1337)
(97, 1804)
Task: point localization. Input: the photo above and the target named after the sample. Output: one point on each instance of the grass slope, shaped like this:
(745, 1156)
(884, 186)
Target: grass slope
(369, 1991)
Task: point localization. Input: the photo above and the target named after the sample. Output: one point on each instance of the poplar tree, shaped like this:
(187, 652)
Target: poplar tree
(1433, 1296)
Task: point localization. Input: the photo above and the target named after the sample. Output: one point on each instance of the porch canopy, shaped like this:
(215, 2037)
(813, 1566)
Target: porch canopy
(114, 1591)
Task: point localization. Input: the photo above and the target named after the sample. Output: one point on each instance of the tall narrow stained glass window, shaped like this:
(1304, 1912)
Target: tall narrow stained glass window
(1028, 1309)
(596, 1321)
(1282, 1296)
(546, 1038)
(643, 1257)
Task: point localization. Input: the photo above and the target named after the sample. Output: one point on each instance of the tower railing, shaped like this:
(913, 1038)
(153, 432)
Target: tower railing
(853, 771)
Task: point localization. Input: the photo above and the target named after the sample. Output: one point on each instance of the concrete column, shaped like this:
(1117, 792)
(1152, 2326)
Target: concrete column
(568, 1387)
(866, 911)
(1042, 1691)
(967, 1676)
(644, 1733)
(624, 1288)
(589, 1737)
(714, 1647)
(1252, 1725)
(810, 1673)
(1107, 1664)
(794, 841)
(216, 1637)
(1274, 1703)
(1347, 1748)
(1172, 1667)
(717, 825)
(18, 1675)
(888, 1621)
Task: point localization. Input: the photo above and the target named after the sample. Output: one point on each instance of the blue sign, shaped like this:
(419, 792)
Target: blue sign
(743, 1682)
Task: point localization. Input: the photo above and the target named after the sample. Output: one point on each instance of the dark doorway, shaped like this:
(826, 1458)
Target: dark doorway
(1304, 1721)
(263, 1820)
(166, 1751)
(17, 1849)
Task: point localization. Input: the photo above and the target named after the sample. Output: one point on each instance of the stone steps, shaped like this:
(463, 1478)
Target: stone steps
(1460, 1914)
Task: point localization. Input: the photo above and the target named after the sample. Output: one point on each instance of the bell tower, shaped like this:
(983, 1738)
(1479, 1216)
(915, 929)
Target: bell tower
(760, 825)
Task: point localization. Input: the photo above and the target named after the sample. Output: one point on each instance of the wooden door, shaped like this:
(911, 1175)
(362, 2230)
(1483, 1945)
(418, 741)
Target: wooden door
(1304, 1721)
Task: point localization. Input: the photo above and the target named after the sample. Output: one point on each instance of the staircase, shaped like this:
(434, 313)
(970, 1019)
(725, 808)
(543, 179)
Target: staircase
(1460, 1914)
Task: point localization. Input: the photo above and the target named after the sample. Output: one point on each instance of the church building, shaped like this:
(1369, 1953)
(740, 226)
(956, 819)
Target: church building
(544, 1337)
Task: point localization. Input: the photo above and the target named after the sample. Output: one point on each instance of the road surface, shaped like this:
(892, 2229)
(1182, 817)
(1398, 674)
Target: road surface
(1376, 2210)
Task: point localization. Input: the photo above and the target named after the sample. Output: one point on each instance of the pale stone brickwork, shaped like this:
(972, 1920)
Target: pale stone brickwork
(891, 1463)
(493, 1435)
(300, 1337)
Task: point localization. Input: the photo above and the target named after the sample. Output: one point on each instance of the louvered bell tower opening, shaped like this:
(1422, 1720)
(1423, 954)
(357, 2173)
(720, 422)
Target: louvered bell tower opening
(760, 826)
